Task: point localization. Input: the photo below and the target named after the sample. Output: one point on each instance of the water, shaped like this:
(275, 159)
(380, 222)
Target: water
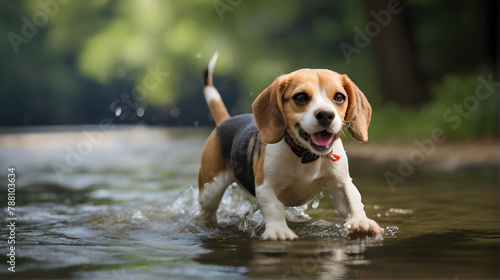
(120, 204)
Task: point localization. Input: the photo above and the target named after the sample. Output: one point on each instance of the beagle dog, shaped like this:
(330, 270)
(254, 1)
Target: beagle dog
(288, 150)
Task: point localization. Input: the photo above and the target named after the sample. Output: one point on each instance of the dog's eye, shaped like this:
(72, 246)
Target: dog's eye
(301, 98)
(339, 98)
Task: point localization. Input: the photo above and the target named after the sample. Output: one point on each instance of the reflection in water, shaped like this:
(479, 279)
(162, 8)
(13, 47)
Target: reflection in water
(303, 259)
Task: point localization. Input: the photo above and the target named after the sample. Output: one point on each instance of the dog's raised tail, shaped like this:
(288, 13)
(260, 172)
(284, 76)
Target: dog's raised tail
(212, 96)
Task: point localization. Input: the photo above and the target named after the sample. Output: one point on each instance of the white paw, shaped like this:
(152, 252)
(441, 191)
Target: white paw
(278, 232)
(362, 225)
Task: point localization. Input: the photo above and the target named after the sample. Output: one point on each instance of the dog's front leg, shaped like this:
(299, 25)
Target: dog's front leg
(274, 214)
(347, 200)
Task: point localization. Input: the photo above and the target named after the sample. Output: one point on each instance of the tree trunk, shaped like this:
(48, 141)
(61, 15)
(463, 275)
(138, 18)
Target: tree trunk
(401, 79)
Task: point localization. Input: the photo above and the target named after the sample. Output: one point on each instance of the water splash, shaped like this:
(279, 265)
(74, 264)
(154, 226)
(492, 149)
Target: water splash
(236, 211)
(238, 216)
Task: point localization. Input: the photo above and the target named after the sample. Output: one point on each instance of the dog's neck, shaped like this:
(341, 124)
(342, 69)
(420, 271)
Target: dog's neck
(306, 155)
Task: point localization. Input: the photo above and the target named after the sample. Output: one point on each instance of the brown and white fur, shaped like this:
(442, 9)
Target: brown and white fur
(307, 108)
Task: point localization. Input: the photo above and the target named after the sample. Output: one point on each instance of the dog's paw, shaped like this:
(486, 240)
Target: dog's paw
(278, 233)
(362, 225)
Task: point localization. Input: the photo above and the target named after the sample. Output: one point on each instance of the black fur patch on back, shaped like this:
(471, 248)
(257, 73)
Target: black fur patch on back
(239, 140)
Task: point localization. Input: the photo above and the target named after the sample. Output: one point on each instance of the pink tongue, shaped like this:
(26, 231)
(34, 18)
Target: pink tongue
(322, 138)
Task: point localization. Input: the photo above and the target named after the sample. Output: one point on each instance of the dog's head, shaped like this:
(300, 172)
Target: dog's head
(312, 106)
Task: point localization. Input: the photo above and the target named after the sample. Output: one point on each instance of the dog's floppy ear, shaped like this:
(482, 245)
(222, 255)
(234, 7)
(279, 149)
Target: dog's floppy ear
(268, 112)
(359, 111)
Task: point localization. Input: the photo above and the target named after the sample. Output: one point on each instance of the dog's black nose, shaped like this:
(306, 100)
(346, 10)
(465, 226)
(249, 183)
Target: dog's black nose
(325, 117)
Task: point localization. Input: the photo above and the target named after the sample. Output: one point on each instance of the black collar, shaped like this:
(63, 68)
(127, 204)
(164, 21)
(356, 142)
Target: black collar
(306, 155)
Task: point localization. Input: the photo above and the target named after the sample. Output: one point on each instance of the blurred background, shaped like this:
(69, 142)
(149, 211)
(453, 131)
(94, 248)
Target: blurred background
(102, 115)
(422, 64)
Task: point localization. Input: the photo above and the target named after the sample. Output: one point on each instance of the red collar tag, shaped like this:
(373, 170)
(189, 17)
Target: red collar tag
(334, 157)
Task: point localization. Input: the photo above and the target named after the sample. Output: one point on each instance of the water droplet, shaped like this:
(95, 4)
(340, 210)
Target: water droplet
(315, 201)
(138, 215)
(175, 112)
(118, 111)
(140, 112)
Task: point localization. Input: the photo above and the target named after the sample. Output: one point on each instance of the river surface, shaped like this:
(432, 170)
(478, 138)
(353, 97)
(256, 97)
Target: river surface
(119, 203)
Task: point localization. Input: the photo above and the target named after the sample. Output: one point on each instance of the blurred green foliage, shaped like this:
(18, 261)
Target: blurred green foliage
(79, 61)
(455, 109)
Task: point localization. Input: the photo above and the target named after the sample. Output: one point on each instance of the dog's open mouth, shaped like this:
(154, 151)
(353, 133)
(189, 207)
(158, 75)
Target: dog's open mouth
(320, 141)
